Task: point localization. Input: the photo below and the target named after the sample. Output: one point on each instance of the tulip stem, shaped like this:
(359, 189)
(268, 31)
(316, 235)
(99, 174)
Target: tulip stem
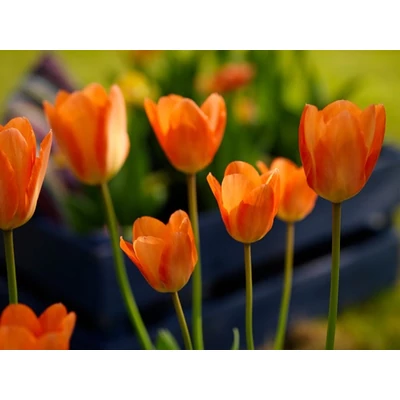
(287, 288)
(334, 296)
(182, 321)
(122, 276)
(249, 297)
(197, 325)
(11, 270)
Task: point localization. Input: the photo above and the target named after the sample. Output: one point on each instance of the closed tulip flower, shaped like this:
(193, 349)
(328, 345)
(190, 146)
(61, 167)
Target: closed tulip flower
(188, 134)
(21, 172)
(165, 254)
(90, 127)
(21, 329)
(339, 147)
(248, 201)
(297, 199)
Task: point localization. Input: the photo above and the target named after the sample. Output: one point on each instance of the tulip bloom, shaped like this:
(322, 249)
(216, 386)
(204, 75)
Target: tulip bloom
(165, 254)
(189, 135)
(90, 127)
(297, 199)
(21, 172)
(339, 147)
(247, 201)
(232, 76)
(20, 329)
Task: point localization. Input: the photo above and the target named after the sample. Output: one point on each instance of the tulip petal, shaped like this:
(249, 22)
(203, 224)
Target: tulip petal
(377, 141)
(189, 130)
(62, 95)
(37, 177)
(338, 106)
(152, 114)
(9, 197)
(16, 338)
(217, 192)
(243, 168)
(25, 128)
(340, 158)
(149, 251)
(262, 167)
(215, 109)
(234, 188)
(117, 144)
(54, 341)
(127, 248)
(287, 171)
(96, 94)
(22, 316)
(367, 122)
(179, 222)
(149, 226)
(165, 106)
(52, 318)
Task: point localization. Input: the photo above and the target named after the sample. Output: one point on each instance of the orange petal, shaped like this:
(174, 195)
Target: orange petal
(241, 167)
(179, 222)
(377, 141)
(22, 316)
(215, 109)
(149, 226)
(338, 106)
(152, 114)
(217, 192)
(16, 338)
(68, 324)
(127, 248)
(52, 318)
(262, 167)
(287, 171)
(234, 188)
(189, 130)
(25, 128)
(9, 193)
(37, 177)
(367, 122)
(116, 145)
(96, 94)
(177, 263)
(62, 95)
(149, 251)
(165, 106)
(340, 157)
(54, 341)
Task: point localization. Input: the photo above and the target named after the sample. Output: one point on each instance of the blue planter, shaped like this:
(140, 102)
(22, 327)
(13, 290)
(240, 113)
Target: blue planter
(55, 265)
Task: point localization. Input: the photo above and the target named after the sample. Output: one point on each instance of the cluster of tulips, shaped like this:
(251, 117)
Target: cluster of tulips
(339, 147)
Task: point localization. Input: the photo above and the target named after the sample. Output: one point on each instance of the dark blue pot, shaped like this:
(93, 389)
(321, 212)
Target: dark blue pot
(55, 265)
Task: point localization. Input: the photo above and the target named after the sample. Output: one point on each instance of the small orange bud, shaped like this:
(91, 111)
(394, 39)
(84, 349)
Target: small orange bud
(21, 172)
(20, 329)
(90, 127)
(297, 199)
(339, 147)
(247, 201)
(165, 254)
(189, 135)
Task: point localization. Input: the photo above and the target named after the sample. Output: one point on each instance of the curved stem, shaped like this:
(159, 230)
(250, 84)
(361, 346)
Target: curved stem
(122, 276)
(197, 325)
(287, 288)
(182, 321)
(334, 296)
(249, 297)
(11, 270)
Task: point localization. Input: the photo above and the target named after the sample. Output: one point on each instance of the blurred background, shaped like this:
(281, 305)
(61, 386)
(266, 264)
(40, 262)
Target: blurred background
(265, 92)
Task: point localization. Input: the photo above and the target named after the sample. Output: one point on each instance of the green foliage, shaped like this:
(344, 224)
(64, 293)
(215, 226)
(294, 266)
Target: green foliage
(166, 341)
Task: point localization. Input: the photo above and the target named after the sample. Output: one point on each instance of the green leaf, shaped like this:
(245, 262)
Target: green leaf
(166, 341)
(236, 337)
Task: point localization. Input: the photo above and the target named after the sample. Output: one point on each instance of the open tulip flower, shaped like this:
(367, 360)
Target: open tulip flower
(21, 329)
(21, 172)
(339, 147)
(248, 201)
(188, 134)
(164, 253)
(297, 199)
(90, 127)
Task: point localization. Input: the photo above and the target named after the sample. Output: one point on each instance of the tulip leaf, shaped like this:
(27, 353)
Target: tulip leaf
(236, 339)
(166, 341)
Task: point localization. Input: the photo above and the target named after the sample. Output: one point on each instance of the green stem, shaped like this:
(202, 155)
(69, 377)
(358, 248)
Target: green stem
(197, 324)
(182, 321)
(334, 296)
(11, 270)
(120, 270)
(249, 297)
(287, 288)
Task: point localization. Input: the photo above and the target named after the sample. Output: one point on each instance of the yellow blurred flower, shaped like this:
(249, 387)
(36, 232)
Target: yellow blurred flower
(245, 110)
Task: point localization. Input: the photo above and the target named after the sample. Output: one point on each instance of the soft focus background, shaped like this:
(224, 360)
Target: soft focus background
(265, 92)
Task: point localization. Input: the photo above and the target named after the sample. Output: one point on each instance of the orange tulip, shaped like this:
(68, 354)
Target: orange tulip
(21, 172)
(247, 201)
(165, 254)
(297, 199)
(20, 329)
(339, 147)
(90, 127)
(232, 76)
(189, 135)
